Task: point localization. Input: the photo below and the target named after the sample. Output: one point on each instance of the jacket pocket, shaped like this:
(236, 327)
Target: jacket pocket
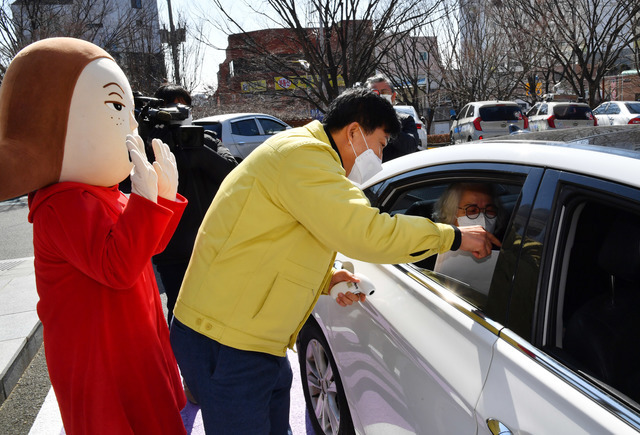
(288, 301)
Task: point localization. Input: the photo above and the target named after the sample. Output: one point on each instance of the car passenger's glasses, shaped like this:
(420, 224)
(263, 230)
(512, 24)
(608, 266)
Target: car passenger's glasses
(472, 211)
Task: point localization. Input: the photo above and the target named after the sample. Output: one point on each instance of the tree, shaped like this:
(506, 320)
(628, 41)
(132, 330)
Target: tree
(583, 37)
(128, 34)
(480, 59)
(337, 43)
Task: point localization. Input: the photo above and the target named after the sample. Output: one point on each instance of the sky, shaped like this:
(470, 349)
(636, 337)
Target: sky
(191, 9)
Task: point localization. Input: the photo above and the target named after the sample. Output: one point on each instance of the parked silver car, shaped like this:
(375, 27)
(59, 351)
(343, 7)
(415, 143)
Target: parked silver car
(484, 119)
(560, 114)
(618, 113)
(539, 338)
(241, 133)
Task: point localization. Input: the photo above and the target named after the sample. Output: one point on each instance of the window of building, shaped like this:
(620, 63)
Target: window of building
(136, 4)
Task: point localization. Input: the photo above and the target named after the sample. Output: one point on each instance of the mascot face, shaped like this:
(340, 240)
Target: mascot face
(100, 117)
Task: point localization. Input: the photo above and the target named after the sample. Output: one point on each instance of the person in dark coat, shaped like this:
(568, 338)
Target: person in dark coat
(407, 140)
(202, 165)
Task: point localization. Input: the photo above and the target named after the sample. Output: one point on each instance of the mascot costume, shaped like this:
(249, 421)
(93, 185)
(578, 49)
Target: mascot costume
(66, 138)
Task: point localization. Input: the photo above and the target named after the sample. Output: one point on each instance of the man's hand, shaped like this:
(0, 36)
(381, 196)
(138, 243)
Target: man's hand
(144, 180)
(167, 170)
(477, 241)
(348, 298)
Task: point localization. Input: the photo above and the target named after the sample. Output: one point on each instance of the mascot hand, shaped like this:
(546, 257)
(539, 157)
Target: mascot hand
(167, 170)
(144, 180)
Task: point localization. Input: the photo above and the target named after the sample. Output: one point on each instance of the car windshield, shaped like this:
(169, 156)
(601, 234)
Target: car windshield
(633, 107)
(500, 113)
(572, 111)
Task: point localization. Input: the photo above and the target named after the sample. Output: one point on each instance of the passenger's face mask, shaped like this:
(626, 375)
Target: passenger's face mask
(488, 224)
(387, 97)
(366, 165)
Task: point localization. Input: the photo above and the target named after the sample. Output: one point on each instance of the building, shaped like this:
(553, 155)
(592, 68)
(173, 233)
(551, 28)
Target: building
(127, 29)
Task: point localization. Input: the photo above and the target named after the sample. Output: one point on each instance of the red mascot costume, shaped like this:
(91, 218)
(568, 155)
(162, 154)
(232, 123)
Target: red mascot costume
(67, 137)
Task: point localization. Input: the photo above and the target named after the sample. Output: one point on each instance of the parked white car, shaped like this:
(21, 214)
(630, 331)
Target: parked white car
(241, 133)
(485, 119)
(560, 114)
(540, 338)
(422, 129)
(618, 113)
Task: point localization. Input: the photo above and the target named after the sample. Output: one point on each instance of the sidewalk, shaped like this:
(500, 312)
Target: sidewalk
(20, 328)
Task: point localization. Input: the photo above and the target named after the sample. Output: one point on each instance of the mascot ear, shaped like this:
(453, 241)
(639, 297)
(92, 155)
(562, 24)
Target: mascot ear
(34, 107)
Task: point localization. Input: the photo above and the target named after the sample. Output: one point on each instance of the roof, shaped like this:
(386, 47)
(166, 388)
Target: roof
(225, 116)
(613, 163)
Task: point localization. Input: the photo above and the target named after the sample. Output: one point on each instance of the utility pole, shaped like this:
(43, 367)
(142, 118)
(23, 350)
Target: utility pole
(174, 47)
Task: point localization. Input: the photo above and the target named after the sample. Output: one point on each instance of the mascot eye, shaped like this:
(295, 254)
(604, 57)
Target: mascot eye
(114, 105)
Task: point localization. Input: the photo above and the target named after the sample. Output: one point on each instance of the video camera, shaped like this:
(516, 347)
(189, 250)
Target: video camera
(169, 122)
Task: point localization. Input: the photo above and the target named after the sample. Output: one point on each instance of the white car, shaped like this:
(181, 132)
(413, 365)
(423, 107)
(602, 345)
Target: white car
(484, 119)
(618, 113)
(422, 129)
(540, 338)
(241, 133)
(560, 114)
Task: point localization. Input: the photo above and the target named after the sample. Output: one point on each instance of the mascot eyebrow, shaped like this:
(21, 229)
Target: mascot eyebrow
(114, 84)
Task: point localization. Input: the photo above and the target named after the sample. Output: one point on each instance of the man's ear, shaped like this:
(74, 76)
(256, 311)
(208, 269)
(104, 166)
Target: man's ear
(353, 129)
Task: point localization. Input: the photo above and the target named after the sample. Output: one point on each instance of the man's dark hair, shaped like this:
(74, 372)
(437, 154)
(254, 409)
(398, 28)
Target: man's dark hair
(170, 93)
(364, 107)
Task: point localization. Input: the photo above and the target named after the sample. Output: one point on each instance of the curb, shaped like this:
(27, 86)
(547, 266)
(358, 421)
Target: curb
(20, 361)
(20, 327)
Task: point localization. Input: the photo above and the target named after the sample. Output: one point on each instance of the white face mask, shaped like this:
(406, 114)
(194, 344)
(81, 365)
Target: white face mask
(387, 97)
(488, 224)
(366, 165)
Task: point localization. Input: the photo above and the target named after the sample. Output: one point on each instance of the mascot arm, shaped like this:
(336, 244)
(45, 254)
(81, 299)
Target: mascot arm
(109, 248)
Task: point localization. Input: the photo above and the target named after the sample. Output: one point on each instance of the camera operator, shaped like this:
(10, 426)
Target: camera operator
(202, 161)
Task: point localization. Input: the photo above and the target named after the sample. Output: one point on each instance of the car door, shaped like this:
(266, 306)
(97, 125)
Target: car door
(456, 128)
(568, 359)
(246, 135)
(414, 356)
(600, 113)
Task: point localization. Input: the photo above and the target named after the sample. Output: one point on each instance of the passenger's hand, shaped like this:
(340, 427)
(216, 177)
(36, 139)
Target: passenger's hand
(477, 241)
(167, 170)
(144, 180)
(348, 298)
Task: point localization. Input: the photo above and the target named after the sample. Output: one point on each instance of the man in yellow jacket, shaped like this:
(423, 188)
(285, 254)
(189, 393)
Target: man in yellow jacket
(264, 254)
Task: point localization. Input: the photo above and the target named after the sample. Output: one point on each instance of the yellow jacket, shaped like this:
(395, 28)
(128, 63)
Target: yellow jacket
(265, 250)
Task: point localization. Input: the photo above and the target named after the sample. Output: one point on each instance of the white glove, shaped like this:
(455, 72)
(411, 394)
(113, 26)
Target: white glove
(144, 180)
(167, 170)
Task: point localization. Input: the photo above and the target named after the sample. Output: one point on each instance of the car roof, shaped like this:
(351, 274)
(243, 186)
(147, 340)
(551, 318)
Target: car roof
(616, 164)
(493, 102)
(226, 116)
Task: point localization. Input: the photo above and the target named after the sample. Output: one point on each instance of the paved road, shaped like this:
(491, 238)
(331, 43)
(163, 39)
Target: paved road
(31, 407)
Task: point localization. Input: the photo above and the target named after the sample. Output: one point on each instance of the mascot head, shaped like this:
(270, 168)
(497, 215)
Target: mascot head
(65, 110)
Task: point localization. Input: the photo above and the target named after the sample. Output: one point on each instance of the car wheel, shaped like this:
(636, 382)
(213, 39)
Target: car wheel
(321, 383)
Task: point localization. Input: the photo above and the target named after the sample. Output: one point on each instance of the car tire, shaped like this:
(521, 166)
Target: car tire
(323, 392)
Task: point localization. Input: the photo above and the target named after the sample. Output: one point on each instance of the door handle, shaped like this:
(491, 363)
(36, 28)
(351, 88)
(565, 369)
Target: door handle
(496, 427)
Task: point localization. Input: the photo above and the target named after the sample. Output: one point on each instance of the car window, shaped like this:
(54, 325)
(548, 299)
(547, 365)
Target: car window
(633, 107)
(543, 109)
(592, 317)
(463, 112)
(613, 109)
(269, 126)
(572, 111)
(245, 127)
(601, 109)
(215, 127)
(500, 113)
(533, 110)
(470, 278)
